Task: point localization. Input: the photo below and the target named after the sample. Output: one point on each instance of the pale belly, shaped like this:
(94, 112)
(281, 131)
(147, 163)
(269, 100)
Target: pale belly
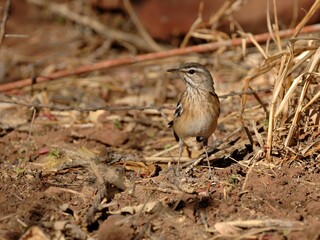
(196, 123)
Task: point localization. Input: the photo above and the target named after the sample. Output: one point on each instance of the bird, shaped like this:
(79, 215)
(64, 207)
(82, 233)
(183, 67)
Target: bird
(197, 111)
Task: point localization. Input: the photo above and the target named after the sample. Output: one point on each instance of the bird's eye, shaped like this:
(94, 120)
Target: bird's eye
(191, 71)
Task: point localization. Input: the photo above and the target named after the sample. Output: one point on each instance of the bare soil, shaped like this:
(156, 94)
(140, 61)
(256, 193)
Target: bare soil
(80, 175)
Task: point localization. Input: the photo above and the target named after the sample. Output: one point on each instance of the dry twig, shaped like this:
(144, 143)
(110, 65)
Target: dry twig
(149, 40)
(150, 56)
(23, 102)
(5, 15)
(93, 24)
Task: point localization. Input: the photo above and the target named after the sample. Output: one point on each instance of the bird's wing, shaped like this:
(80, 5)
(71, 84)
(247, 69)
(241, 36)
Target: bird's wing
(179, 110)
(177, 114)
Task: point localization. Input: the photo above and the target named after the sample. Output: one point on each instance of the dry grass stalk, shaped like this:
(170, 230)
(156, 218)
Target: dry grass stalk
(193, 27)
(4, 19)
(313, 67)
(292, 63)
(296, 65)
(143, 32)
(98, 27)
(307, 17)
(226, 7)
(107, 64)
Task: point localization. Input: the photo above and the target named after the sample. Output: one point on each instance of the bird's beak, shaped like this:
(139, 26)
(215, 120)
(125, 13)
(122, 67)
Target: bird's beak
(173, 70)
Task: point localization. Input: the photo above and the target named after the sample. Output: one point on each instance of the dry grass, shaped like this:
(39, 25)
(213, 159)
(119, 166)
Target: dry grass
(293, 67)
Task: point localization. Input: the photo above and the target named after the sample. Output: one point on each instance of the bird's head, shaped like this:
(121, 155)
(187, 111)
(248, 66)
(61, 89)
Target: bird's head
(195, 75)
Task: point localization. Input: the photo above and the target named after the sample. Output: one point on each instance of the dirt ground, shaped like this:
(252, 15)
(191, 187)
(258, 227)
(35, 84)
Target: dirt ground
(110, 174)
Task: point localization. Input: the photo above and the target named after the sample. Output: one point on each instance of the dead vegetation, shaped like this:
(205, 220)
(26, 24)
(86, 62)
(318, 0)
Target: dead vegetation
(85, 151)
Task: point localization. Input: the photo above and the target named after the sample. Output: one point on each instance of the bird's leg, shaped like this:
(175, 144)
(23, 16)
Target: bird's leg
(205, 146)
(180, 153)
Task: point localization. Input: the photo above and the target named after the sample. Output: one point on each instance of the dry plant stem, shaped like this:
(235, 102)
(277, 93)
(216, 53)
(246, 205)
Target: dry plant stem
(244, 98)
(144, 34)
(169, 149)
(93, 24)
(315, 97)
(22, 102)
(68, 190)
(160, 189)
(287, 66)
(289, 93)
(23, 224)
(256, 44)
(16, 35)
(201, 158)
(297, 114)
(4, 19)
(303, 22)
(237, 115)
(165, 159)
(84, 109)
(191, 30)
(258, 155)
(264, 223)
(269, 24)
(285, 63)
(297, 80)
(256, 132)
(238, 162)
(276, 25)
(295, 14)
(310, 72)
(244, 185)
(7, 216)
(31, 128)
(150, 56)
(214, 20)
(261, 103)
(193, 27)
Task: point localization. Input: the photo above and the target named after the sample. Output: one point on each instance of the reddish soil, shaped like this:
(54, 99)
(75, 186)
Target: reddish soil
(80, 175)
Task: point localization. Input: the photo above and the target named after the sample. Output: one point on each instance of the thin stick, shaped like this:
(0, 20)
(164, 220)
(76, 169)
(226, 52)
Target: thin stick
(166, 159)
(168, 150)
(284, 66)
(149, 40)
(84, 109)
(313, 67)
(190, 32)
(214, 20)
(16, 35)
(276, 24)
(34, 111)
(22, 102)
(98, 27)
(193, 26)
(150, 56)
(306, 18)
(5, 15)
(297, 114)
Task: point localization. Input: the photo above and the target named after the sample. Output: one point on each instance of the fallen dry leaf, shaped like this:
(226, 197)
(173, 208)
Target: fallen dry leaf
(140, 168)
